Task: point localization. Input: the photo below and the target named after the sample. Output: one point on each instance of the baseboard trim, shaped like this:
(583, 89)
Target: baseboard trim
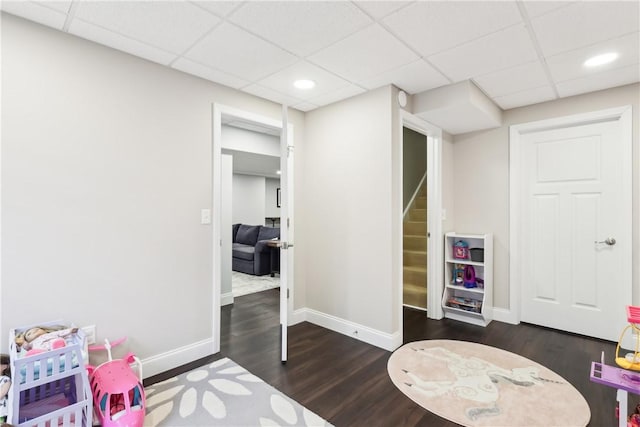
(504, 315)
(298, 316)
(226, 299)
(173, 358)
(354, 330)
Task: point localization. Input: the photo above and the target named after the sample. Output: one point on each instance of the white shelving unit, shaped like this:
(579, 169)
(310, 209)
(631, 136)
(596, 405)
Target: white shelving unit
(473, 304)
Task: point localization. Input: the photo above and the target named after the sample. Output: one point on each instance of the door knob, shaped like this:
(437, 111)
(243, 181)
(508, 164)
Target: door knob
(609, 241)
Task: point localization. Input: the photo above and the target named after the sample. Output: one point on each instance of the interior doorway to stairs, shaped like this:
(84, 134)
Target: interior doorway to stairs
(414, 221)
(430, 232)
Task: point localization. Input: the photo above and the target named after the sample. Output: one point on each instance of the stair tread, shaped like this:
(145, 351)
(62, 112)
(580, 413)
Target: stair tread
(414, 288)
(415, 268)
(415, 252)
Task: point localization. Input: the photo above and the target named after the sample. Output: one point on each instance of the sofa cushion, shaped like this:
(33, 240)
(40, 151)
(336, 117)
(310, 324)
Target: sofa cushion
(247, 234)
(234, 231)
(243, 251)
(268, 233)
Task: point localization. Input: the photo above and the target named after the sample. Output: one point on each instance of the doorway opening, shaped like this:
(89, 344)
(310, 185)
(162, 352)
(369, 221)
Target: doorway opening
(414, 222)
(255, 207)
(258, 142)
(429, 235)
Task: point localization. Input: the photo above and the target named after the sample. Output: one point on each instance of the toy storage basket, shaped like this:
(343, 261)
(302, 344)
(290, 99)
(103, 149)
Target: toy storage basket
(50, 388)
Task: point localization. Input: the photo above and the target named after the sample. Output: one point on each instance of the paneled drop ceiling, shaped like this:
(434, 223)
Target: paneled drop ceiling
(517, 52)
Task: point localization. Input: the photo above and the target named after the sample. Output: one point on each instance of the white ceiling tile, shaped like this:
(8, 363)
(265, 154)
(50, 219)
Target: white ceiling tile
(305, 106)
(301, 27)
(570, 65)
(497, 51)
(220, 8)
(35, 12)
(380, 9)
(282, 81)
(170, 25)
(338, 95)
(511, 80)
(271, 95)
(208, 73)
(585, 23)
(235, 51)
(364, 54)
(433, 26)
(537, 7)
(60, 6)
(526, 97)
(412, 78)
(604, 80)
(117, 41)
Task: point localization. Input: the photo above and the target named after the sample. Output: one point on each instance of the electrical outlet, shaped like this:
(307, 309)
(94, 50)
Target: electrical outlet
(90, 333)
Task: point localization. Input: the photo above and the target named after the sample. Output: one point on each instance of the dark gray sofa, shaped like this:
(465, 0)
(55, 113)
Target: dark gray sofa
(250, 253)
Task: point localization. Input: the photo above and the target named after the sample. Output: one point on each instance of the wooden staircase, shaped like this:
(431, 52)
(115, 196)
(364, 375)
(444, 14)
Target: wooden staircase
(415, 252)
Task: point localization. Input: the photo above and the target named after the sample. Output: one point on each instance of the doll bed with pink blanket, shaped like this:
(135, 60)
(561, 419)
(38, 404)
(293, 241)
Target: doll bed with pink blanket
(49, 387)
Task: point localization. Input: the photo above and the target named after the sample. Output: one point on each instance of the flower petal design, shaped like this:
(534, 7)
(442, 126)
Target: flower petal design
(233, 370)
(157, 415)
(188, 402)
(156, 398)
(214, 406)
(219, 363)
(268, 422)
(198, 375)
(284, 409)
(311, 419)
(250, 378)
(230, 387)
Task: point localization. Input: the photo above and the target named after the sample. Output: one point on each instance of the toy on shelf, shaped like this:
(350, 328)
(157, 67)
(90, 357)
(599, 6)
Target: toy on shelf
(118, 394)
(630, 360)
(461, 250)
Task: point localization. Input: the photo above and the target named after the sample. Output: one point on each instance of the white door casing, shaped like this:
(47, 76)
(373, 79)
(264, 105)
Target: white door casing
(571, 187)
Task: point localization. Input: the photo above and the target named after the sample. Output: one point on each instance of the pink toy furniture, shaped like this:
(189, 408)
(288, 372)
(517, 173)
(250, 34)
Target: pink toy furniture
(621, 379)
(118, 394)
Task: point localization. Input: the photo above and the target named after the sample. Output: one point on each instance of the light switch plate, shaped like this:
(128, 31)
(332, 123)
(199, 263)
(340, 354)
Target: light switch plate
(205, 216)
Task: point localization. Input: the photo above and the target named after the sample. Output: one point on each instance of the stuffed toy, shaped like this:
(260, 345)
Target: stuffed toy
(39, 339)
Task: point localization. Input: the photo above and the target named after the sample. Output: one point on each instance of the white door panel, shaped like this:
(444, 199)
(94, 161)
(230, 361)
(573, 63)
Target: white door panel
(573, 194)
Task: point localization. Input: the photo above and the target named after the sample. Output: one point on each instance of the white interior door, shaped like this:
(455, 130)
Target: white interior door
(286, 227)
(576, 228)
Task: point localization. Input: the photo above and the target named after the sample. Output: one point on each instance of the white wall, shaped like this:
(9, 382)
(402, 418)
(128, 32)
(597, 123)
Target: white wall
(252, 142)
(414, 163)
(347, 227)
(106, 163)
(481, 176)
(271, 208)
(248, 199)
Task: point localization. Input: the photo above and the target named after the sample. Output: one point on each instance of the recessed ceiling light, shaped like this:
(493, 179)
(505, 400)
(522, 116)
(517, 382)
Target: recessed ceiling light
(304, 84)
(597, 60)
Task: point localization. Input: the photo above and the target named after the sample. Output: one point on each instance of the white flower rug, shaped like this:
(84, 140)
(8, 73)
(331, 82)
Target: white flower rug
(223, 394)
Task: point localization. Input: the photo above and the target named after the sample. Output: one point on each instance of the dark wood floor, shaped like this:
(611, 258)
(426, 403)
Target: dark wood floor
(346, 382)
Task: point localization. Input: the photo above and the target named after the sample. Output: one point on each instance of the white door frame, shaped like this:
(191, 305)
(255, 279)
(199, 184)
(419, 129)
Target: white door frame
(621, 114)
(435, 243)
(218, 110)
